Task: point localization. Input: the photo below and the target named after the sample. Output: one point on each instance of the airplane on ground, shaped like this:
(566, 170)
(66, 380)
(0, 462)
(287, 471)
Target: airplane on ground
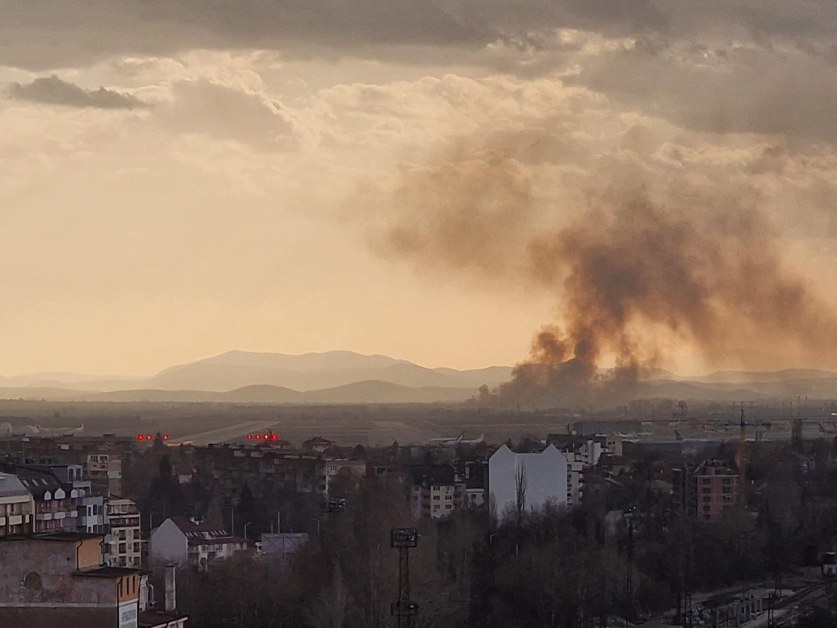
(678, 436)
(37, 430)
(459, 440)
(633, 435)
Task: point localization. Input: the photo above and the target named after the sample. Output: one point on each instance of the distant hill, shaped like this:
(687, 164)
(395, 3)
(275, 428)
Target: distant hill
(358, 392)
(314, 371)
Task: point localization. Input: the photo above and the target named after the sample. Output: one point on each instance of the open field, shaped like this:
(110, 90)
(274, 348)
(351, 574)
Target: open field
(382, 424)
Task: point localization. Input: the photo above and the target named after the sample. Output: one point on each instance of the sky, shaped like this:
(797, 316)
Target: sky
(182, 179)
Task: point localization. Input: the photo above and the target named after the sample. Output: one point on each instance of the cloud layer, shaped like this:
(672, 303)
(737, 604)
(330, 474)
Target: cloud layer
(53, 91)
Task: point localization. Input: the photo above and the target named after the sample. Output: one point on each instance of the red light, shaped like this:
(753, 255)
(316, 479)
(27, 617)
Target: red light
(165, 436)
(275, 437)
(149, 437)
(249, 437)
(258, 436)
(266, 436)
(140, 437)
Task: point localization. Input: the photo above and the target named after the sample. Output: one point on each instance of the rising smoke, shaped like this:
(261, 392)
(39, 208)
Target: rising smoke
(636, 273)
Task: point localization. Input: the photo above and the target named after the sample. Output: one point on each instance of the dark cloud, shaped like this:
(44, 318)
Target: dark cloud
(53, 91)
(58, 33)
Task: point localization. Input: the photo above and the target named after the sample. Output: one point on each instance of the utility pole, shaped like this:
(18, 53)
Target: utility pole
(629, 581)
(403, 539)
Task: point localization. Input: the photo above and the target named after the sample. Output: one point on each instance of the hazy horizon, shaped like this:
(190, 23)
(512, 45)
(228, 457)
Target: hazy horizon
(650, 183)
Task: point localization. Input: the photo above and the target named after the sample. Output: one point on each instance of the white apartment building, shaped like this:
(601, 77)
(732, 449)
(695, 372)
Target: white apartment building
(433, 493)
(122, 544)
(543, 475)
(91, 515)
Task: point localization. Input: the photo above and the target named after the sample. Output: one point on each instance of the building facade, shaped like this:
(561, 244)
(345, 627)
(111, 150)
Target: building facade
(122, 546)
(526, 481)
(184, 541)
(17, 506)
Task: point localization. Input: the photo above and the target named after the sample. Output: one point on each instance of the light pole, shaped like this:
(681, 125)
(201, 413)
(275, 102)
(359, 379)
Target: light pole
(317, 519)
(245, 530)
(232, 518)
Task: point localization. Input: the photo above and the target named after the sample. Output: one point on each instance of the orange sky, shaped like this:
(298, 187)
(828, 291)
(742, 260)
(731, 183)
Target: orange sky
(172, 187)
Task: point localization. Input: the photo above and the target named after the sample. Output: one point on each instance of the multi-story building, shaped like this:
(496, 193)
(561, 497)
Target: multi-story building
(433, 491)
(185, 541)
(122, 546)
(707, 490)
(527, 481)
(473, 477)
(91, 514)
(104, 471)
(17, 506)
(58, 579)
(56, 502)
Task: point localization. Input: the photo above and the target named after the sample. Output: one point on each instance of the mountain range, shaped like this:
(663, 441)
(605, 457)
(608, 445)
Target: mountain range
(250, 377)
(346, 377)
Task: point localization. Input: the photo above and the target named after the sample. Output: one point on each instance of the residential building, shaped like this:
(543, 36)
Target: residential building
(433, 491)
(91, 514)
(104, 471)
(526, 480)
(122, 546)
(58, 579)
(475, 474)
(185, 541)
(707, 490)
(341, 470)
(56, 502)
(17, 506)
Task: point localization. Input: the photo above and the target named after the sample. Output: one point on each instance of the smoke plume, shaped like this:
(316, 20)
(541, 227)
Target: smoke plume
(637, 274)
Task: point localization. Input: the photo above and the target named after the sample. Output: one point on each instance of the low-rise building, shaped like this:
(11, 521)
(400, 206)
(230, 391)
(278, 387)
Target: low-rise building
(281, 546)
(185, 541)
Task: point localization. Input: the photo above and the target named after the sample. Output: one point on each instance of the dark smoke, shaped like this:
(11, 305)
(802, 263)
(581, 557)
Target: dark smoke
(635, 277)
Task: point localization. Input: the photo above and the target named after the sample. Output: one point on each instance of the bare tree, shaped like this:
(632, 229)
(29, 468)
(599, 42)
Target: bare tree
(519, 494)
(329, 608)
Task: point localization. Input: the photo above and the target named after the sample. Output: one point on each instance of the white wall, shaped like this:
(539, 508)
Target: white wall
(168, 544)
(546, 479)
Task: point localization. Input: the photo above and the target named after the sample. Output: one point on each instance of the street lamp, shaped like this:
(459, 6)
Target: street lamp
(232, 518)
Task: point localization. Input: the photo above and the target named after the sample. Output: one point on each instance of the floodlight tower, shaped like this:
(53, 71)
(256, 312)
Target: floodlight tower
(403, 539)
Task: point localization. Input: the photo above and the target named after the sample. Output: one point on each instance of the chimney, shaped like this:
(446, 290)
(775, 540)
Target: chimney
(171, 596)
